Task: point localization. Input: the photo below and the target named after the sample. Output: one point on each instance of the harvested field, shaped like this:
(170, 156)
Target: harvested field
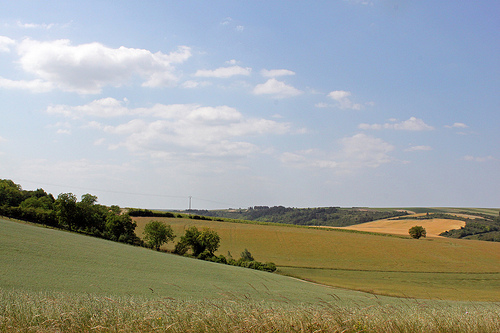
(400, 227)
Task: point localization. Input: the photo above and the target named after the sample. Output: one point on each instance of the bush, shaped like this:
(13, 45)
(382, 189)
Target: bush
(269, 267)
(247, 256)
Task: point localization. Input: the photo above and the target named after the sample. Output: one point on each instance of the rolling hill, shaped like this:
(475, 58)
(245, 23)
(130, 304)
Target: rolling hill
(41, 259)
(383, 264)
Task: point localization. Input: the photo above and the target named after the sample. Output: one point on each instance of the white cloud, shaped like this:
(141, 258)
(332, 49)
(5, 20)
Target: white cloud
(5, 43)
(276, 72)
(412, 124)
(87, 68)
(418, 148)
(229, 22)
(277, 89)
(105, 107)
(478, 159)
(356, 152)
(223, 72)
(37, 86)
(163, 130)
(195, 84)
(362, 150)
(63, 131)
(322, 105)
(343, 100)
(35, 25)
(457, 125)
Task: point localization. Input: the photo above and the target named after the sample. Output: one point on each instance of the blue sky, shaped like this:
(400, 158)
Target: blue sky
(238, 103)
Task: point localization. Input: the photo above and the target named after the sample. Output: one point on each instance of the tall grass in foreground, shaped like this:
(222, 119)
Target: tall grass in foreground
(22, 311)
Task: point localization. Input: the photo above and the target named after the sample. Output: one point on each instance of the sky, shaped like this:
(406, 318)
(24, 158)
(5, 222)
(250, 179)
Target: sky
(232, 104)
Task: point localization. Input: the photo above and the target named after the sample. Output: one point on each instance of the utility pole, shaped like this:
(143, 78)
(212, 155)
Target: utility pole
(190, 202)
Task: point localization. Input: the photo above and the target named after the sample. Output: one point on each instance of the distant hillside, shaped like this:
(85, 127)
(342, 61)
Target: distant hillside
(322, 216)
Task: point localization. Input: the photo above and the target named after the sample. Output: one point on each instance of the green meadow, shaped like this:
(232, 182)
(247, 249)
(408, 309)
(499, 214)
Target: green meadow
(433, 268)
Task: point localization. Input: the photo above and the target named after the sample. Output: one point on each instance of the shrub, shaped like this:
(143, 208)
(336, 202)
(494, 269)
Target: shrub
(247, 256)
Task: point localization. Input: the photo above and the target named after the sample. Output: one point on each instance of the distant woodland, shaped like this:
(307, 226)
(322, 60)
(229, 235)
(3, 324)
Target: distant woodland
(324, 216)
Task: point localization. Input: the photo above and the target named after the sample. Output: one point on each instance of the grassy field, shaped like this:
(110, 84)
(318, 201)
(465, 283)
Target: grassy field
(55, 281)
(41, 259)
(437, 268)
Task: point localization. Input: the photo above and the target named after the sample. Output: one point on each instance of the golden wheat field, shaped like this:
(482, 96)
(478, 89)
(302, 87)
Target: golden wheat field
(434, 227)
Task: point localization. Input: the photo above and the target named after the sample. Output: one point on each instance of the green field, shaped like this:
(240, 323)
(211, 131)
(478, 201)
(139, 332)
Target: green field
(435, 268)
(57, 281)
(42, 259)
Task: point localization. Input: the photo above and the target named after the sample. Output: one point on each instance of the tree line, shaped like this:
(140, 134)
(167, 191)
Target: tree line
(67, 212)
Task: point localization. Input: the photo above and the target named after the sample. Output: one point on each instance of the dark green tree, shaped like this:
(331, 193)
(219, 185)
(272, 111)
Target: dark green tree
(10, 193)
(66, 210)
(206, 241)
(157, 233)
(417, 232)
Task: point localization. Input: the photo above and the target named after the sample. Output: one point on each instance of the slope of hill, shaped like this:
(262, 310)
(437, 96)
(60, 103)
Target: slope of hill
(391, 265)
(42, 259)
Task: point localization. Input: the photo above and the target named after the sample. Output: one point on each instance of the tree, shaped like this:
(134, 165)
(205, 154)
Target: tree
(417, 232)
(206, 241)
(210, 240)
(66, 210)
(157, 234)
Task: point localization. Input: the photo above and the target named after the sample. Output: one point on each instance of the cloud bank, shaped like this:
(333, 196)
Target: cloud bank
(177, 129)
(87, 68)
